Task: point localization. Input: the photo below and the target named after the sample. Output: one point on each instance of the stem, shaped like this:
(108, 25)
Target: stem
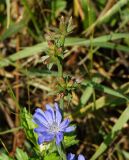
(60, 69)
(61, 153)
(60, 75)
(62, 105)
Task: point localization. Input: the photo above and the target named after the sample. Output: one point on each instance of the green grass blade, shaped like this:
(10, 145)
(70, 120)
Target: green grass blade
(108, 90)
(30, 51)
(88, 90)
(107, 15)
(113, 46)
(72, 41)
(104, 101)
(13, 29)
(10, 130)
(25, 3)
(8, 12)
(34, 72)
(109, 138)
(116, 8)
(86, 95)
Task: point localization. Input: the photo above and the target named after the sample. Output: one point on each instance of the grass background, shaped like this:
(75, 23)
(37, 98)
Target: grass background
(97, 56)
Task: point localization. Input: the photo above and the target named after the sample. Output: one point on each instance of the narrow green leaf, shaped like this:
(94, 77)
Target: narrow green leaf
(89, 13)
(113, 46)
(104, 101)
(3, 156)
(125, 154)
(57, 7)
(70, 140)
(28, 125)
(72, 41)
(13, 29)
(107, 15)
(109, 138)
(10, 130)
(107, 90)
(112, 11)
(21, 155)
(86, 95)
(52, 156)
(88, 90)
(8, 12)
(30, 13)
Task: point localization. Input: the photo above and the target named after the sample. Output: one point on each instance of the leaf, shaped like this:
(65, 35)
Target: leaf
(8, 12)
(112, 11)
(30, 13)
(109, 138)
(70, 140)
(113, 46)
(29, 125)
(10, 130)
(72, 41)
(70, 26)
(3, 156)
(116, 8)
(88, 90)
(108, 90)
(104, 101)
(39, 72)
(52, 156)
(50, 65)
(125, 154)
(86, 95)
(89, 13)
(13, 29)
(57, 7)
(21, 155)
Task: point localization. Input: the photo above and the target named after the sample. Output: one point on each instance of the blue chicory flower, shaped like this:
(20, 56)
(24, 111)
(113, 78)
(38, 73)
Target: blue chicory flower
(50, 125)
(73, 157)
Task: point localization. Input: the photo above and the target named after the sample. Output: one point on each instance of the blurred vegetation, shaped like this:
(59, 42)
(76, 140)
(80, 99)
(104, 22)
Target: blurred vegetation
(97, 58)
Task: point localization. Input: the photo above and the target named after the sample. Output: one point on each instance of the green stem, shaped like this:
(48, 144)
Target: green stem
(61, 153)
(62, 104)
(60, 69)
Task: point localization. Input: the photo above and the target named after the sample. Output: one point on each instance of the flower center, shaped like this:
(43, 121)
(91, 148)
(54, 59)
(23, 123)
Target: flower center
(54, 128)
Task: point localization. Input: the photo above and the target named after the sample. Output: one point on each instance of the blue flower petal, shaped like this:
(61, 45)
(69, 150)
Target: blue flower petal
(48, 107)
(56, 106)
(40, 119)
(58, 117)
(47, 137)
(46, 131)
(71, 156)
(40, 129)
(81, 157)
(49, 116)
(44, 114)
(59, 138)
(41, 113)
(70, 129)
(64, 125)
(40, 139)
